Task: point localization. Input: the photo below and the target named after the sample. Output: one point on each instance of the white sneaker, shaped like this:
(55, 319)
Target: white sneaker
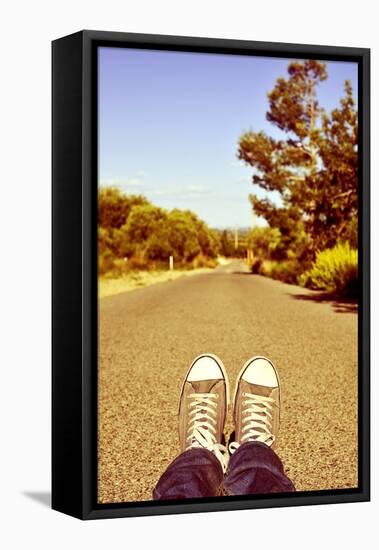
(256, 403)
(203, 407)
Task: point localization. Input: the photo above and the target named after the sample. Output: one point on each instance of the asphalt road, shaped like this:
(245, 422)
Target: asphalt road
(148, 338)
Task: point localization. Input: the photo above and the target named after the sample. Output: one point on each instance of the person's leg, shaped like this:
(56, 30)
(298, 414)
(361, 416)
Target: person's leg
(194, 473)
(254, 466)
(198, 470)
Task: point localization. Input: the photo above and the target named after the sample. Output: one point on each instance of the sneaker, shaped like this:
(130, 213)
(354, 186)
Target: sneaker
(203, 407)
(256, 403)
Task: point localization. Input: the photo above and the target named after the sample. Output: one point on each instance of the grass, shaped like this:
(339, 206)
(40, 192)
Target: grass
(138, 279)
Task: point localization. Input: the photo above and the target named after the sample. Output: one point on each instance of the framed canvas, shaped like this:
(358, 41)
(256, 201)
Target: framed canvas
(210, 275)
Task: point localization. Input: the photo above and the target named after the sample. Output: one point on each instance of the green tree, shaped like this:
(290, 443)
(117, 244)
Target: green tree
(332, 211)
(142, 222)
(310, 174)
(133, 228)
(183, 236)
(226, 244)
(208, 239)
(264, 242)
(105, 251)
(114, 206)
(158, 246)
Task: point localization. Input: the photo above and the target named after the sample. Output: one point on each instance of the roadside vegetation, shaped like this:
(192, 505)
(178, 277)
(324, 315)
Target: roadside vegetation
(111, 285)
(310, 179)
(309, 204)
(334, 270)
(134, 235)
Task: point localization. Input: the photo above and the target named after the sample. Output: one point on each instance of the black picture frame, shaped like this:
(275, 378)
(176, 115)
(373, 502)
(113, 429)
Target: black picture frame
(74, 273)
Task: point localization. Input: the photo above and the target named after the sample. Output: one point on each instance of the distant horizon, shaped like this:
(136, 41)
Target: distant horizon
(169, 124)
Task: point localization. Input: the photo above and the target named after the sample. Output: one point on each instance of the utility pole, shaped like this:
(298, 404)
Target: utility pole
(250, 251)
(236, 237)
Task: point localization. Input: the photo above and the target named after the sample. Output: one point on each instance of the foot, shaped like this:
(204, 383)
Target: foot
(256, 404)
(203, 407)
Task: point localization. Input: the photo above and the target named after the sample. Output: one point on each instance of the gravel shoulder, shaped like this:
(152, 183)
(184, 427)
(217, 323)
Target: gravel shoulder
(139, 279)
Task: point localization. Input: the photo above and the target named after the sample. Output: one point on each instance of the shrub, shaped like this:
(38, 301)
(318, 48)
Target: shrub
(226, 247)
(257, 266)
(132, 229)
(142, 222)
(105, 261)
(203, 261)
(287, 271)
(334, 270)
(138, 263)
(264, 241)
(114, 207)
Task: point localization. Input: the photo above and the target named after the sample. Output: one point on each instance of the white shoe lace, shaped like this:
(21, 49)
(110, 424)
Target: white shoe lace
(256, 420)
(201, 430)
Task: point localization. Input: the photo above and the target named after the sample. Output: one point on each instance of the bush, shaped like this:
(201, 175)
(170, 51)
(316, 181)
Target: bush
(226, 247)
(138, 263)
(105, 261)
(203, 261)
(287, 271)
(335, 270)
(264, 241)
(257, 266)
(114, 207)
(133, 235)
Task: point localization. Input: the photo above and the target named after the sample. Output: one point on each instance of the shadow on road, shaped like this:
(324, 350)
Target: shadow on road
(340, 304)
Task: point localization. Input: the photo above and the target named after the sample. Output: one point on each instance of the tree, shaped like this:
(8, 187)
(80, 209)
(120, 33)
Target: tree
(114, 206)
(142, 222)
(311, 171)
(264, 241)
(133, 228)
(334, 211)
(105, 252)
(183, 236)
(158, 246)
(208, 239)
(226, 244)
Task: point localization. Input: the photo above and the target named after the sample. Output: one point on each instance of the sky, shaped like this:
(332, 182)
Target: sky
(169, 124)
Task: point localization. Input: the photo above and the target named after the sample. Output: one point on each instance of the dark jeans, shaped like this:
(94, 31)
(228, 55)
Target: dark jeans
(254, 468)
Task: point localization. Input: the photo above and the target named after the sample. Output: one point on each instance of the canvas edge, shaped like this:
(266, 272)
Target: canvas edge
(84, 503)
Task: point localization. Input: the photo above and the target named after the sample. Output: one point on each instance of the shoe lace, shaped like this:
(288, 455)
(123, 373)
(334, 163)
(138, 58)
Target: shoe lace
(202, 425)
(256, 420)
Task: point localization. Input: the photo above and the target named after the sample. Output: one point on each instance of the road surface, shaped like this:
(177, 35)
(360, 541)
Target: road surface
(148, 338)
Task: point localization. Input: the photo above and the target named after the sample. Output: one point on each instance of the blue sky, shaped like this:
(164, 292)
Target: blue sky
(169, 124)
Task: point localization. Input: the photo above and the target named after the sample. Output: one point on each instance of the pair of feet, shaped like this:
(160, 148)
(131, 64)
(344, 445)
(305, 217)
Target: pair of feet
(204, 402)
